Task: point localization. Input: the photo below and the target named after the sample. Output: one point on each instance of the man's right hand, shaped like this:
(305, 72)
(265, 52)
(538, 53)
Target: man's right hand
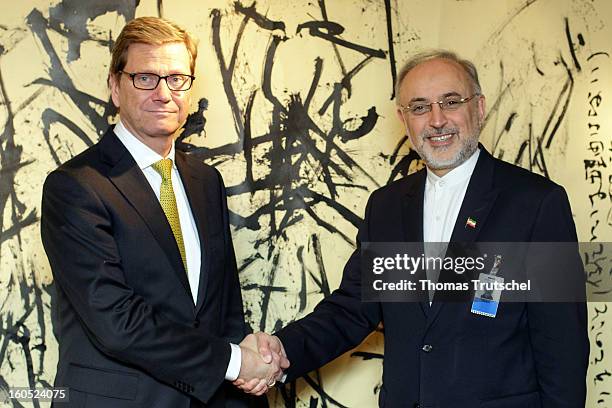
(263, 362)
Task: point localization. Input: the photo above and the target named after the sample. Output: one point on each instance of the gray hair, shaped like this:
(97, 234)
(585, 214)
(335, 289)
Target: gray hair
(422, 57)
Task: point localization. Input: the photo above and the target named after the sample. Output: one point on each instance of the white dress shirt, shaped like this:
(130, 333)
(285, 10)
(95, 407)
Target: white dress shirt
(443, 198)
(145, 157)
(441, 204)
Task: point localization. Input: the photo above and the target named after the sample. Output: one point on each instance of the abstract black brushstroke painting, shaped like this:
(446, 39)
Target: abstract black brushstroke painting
(297, 159)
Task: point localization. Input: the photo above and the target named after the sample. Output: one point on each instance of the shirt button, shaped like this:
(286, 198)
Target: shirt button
(427, 348)
(417, 405)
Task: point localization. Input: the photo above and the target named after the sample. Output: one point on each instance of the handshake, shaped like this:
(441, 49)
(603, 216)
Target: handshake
(262, 365)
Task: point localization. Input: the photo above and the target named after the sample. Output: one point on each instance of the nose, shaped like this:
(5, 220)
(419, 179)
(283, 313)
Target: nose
(162, 93)
(437, 117)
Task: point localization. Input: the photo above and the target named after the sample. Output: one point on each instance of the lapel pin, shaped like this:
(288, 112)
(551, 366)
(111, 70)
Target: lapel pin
(470, 222)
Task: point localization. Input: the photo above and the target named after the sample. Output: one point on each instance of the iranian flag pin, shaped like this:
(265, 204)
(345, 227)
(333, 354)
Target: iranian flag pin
(470, 222)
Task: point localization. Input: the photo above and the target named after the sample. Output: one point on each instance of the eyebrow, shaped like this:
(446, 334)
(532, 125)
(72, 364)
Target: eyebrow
(417, 100)
(446, 95)
(171, 72)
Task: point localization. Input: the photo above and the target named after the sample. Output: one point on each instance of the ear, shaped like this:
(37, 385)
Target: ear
(113, 82)
(481, 109)
(400, 116)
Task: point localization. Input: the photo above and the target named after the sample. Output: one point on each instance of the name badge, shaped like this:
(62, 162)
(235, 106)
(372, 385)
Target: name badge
(487, 293)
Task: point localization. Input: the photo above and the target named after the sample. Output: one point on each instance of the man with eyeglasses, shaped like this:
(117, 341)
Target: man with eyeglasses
(438, 353)
(148, 309)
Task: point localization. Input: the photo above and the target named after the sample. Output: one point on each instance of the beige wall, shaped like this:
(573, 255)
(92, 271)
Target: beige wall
(529, 71)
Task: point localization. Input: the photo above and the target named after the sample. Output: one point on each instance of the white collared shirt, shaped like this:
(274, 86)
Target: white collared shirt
(441, 205)
(145, 157)
(443, 198)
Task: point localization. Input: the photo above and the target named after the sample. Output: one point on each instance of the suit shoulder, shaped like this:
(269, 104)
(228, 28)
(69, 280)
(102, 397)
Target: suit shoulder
(84, 158)
(401, 185)
(520, 180)
(75, 181)
(198, 164)
(82, 166)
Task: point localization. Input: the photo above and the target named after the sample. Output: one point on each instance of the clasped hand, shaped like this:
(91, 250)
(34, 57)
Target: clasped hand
(263, 362)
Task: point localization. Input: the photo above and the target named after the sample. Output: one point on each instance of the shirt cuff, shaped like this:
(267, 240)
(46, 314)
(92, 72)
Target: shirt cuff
(233, 368)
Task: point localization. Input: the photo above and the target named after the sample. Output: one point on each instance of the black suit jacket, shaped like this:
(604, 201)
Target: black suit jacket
(530, 355)
(129, 332)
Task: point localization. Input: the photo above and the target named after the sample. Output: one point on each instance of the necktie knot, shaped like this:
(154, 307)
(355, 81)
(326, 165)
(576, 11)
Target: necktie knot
(164, 168)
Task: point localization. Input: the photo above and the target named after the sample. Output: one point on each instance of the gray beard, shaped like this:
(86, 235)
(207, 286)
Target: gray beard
(467, 149)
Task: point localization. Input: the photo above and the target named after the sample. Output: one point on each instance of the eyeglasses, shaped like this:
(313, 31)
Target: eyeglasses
(449, 103)
(148, 81)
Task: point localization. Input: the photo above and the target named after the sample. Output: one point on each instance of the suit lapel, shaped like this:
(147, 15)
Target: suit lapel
(477, 203)
(478, 200)
(131, 182)
(412, 211)
(195, 185)
(412, 220)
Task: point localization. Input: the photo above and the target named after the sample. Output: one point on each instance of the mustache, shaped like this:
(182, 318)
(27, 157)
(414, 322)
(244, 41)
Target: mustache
(438, 132)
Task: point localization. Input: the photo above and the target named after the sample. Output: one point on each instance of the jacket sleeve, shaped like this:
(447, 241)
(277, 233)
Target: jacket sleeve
(235, 328)
(337, 324)
(232, 312)
(77, 234)
(558, 331)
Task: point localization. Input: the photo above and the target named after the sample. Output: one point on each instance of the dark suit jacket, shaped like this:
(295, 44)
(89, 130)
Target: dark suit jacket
(530, 355)
(129, 333)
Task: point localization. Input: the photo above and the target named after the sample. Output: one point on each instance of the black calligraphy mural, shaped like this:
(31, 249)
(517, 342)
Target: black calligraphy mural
(24, 307)
(15, 335)
(306, 94)
(599, 151)
(306, 158)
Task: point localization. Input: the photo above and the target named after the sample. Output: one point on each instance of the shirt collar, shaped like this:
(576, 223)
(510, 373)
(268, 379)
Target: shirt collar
(457, 175)
(142, 154)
